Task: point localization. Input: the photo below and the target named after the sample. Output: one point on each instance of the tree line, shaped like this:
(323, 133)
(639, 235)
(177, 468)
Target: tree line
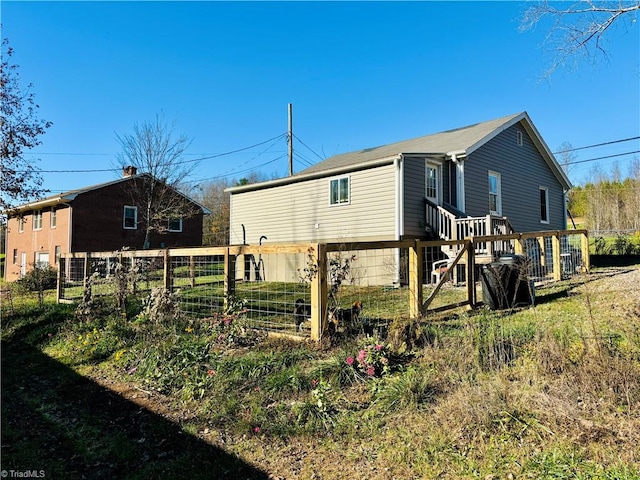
(609, 203)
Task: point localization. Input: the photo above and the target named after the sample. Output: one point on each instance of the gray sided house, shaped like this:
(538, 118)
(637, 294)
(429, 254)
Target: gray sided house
(492, 177)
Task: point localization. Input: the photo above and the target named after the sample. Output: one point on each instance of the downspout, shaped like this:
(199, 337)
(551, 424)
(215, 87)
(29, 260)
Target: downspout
(399, 165)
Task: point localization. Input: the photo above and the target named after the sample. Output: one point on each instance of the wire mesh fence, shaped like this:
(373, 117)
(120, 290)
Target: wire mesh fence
(293, 289)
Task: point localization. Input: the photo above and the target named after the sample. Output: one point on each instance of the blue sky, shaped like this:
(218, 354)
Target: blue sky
(358, 75)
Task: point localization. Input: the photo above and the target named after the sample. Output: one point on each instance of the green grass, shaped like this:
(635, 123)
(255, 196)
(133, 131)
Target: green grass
(544, 392)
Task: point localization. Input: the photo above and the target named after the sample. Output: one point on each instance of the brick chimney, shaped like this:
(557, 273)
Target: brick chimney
(129, 171)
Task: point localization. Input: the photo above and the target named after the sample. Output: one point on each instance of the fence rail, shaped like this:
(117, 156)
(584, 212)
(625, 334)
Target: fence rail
(297, 288)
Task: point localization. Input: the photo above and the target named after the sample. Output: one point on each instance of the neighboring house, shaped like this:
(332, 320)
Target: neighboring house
(491, 177)
(98, 218)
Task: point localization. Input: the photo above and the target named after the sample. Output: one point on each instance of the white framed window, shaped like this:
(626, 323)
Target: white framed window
(519, 138)
(37, 220)
(42, 259)
(20, 224)
(339, 191)
(174, 225)
(54, 217)
(15, 256)
(544, 205)
(130, 218)
(432, 183)
(495, 194)
(57, 253)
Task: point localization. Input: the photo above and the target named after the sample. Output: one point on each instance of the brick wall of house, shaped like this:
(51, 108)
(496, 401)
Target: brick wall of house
(25, 247)
(98, 223)
(94, 222)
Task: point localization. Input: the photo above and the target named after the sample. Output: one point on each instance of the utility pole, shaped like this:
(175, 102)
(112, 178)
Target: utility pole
(290, 139)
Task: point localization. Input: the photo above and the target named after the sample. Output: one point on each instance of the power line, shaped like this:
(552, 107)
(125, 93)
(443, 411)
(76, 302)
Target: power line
(602, 158)
(596, 145)
(208, 157)
(310, 149)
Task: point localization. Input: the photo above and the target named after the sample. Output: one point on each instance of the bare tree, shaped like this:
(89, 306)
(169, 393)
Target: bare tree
(20, 129)
(216, 225)
(214, 197)
(566, 156)
(579, 29)
(156, 153)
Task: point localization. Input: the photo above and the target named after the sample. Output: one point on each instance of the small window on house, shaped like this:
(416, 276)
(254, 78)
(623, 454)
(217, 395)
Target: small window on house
(175, 225)
(130, 218)
(339, 191)
(21, 224)
(544, 205)
(37, 220)
(58, 253)
(15, 256)
(54, 217)
(519, 138)
(42, 259)
(495, 196)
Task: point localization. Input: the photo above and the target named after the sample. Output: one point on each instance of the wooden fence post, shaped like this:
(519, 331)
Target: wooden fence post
(471, 272)
(557, 264)
(319, 293)
(416, 274)
(518, 246)
(192, 271)
(229, 277)
(167, 270)
(59, 280)
(586, 260)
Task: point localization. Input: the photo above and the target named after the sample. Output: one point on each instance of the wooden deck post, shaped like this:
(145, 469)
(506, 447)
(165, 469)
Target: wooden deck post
(319, 293)
(416, 274)
(557, 264)
(488, 232)
(586, 260)
(229, 277)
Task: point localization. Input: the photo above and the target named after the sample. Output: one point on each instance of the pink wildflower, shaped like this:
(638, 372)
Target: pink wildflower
(211, 372)
(371, 370)
(350, 360)
(256, 429)
(379, 347)
(314, 382)
(362, 355)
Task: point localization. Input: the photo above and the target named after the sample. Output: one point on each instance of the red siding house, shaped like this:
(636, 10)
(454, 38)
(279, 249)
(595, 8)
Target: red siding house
(98, 218)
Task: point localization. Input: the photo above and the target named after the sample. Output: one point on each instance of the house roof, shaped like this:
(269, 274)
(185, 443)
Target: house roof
(437, 144)
(68, 196)
(460, 142)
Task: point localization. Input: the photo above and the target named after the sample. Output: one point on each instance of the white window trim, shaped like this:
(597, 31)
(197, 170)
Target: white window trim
(37, 225)
(53, 220)
(169, 225)
(135, 217)
(497, 212)
(546, 199)
(438, 169)
(20, 224)
(337, 179)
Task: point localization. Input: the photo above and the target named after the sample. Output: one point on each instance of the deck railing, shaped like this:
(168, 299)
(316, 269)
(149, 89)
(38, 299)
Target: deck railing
(448, 226)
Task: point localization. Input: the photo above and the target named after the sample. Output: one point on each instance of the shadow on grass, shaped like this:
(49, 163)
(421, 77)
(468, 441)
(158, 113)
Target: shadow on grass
(58, 424)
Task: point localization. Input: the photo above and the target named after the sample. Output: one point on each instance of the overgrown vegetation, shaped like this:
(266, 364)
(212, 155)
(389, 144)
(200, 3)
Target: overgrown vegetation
(545, 392)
